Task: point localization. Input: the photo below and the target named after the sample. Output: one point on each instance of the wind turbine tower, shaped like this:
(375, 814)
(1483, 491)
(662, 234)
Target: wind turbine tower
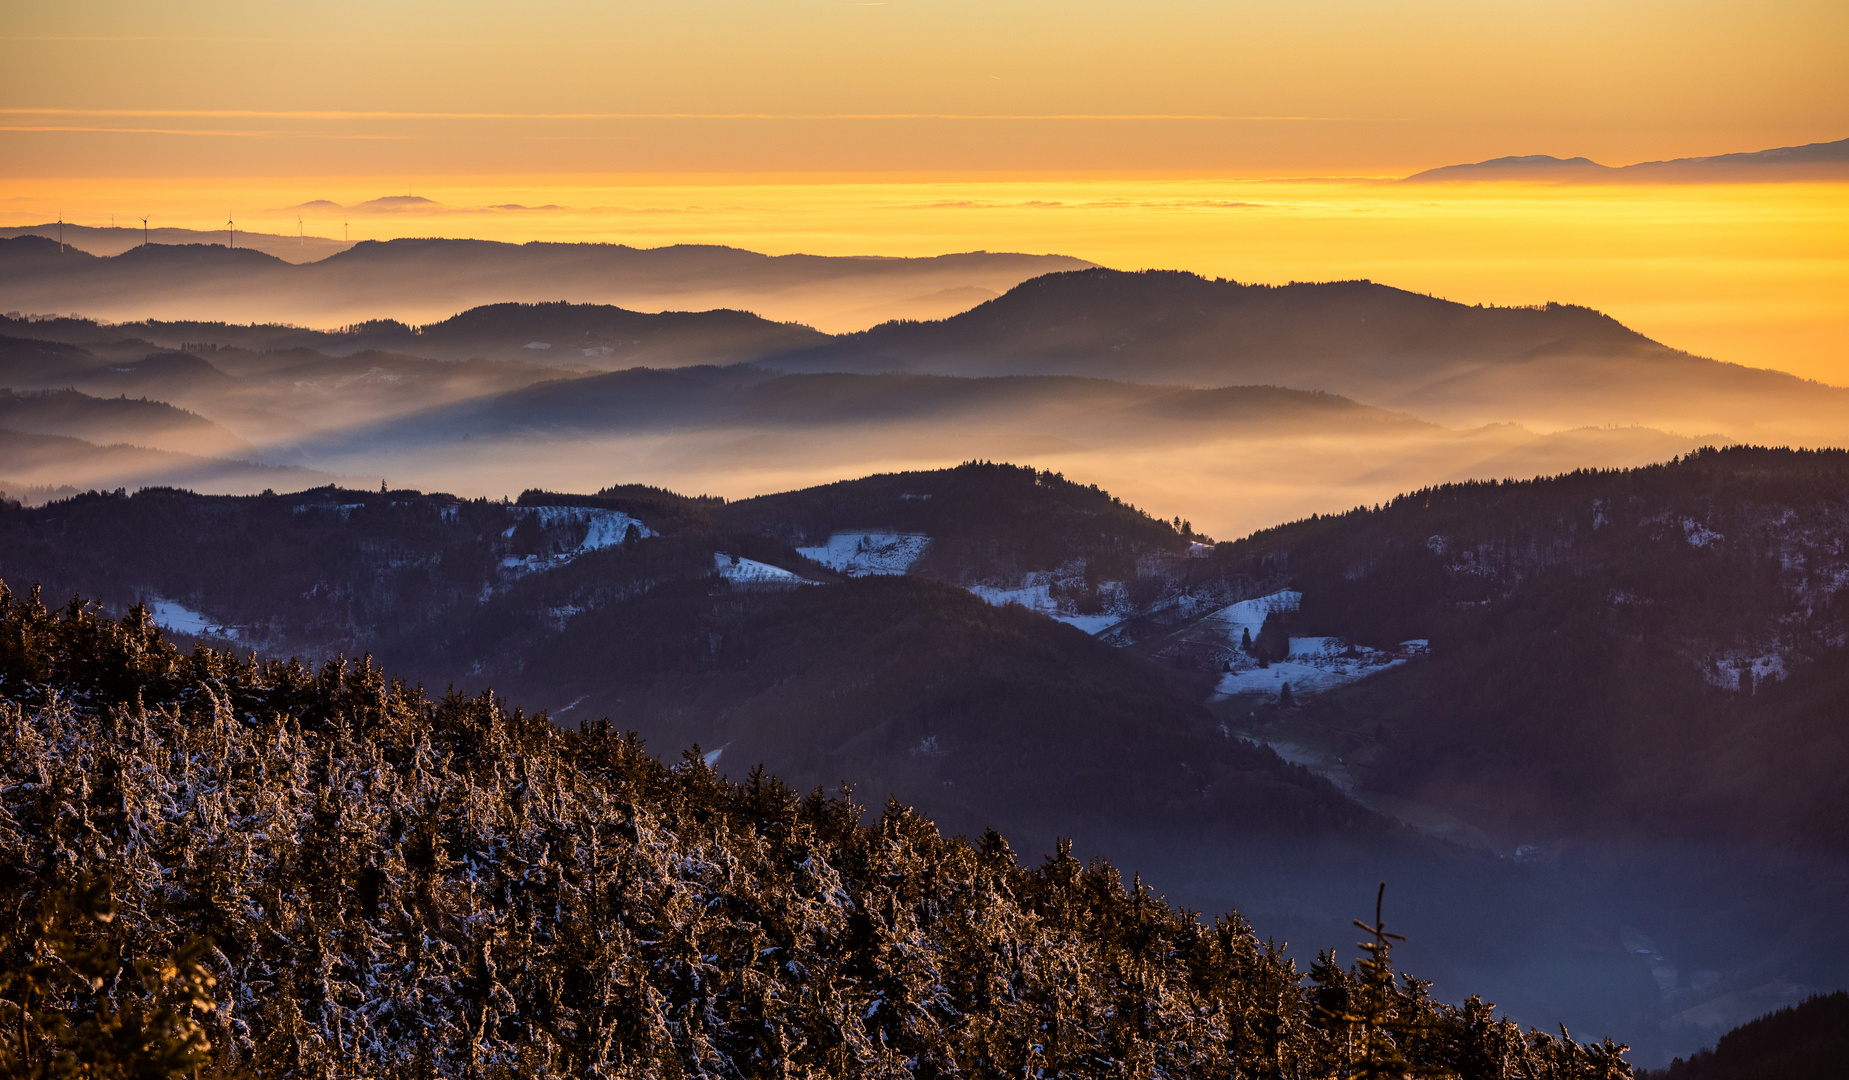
(60, 232)
(144, 232)
(231, 231)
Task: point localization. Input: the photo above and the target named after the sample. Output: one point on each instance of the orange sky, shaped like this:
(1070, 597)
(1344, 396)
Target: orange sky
(829, 127)
(1292, 86)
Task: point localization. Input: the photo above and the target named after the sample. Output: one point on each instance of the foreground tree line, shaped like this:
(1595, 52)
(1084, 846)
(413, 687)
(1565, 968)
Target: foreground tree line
(217, 866)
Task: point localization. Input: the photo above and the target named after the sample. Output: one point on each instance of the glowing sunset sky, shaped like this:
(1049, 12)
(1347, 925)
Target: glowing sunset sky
(921, 126)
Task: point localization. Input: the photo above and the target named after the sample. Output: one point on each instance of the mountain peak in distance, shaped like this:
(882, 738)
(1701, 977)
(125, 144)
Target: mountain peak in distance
(388, 204)
(1813, 161)
(395, 203)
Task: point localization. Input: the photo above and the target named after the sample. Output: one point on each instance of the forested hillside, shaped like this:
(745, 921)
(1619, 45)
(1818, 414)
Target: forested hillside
(1809, 1041)
(984, 714)
(983, 521)
(1625, 797)
(1660, 651)
(341, 876)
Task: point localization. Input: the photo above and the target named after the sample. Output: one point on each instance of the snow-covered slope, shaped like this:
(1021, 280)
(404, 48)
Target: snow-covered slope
(752, 572)
(1314, 664)
(184, 620)
(858, 554)
(1038, 597)
(603, 528)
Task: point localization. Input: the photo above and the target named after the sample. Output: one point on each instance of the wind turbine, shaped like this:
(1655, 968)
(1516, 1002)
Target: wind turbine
(144, 232)
(60, 232)
(298, 231)
(231, 230)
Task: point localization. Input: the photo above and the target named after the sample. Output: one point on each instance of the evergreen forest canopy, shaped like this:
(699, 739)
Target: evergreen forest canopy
(248, 867)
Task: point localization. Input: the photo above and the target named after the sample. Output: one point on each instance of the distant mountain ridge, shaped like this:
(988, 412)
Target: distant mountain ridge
(420, 280)
(1824, 160)
(116, 239)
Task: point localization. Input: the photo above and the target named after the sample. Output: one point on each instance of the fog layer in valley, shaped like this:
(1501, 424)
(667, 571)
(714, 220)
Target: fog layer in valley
(1232, 406)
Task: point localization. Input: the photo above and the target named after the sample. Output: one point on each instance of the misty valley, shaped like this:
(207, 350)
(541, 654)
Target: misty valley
(1038, 672)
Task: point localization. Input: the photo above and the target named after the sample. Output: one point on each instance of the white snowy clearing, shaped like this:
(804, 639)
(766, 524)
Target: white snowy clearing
(750, 571)
(1247, 616)
(1039, 598)
(1725, 672)
(1315, 663)
(862, 554)
(602, 529)
(184, 620)
(345, 510)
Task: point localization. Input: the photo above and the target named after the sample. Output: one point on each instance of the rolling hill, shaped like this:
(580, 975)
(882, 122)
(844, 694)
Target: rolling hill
(1551, 367)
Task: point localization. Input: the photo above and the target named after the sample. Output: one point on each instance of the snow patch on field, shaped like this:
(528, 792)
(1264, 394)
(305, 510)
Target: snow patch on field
(752, 572)
(184, 620)
(345, 510)
(864, 554)
(1725, 672)
(1315, 663)
(603, 528)
(1247, 616)
(1038, 597)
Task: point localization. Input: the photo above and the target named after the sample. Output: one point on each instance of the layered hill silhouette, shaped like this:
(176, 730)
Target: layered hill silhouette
(35, 467)
(1553, 366)
(1231, 457)
(1814, 161)
(140, 421)
(428, 280)
(114, 240)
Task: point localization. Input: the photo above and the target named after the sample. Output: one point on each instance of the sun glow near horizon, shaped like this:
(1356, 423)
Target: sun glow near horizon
(903, 127)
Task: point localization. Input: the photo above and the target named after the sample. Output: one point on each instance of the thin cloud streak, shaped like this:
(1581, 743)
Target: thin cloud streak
(334, 114)
(203, 131)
